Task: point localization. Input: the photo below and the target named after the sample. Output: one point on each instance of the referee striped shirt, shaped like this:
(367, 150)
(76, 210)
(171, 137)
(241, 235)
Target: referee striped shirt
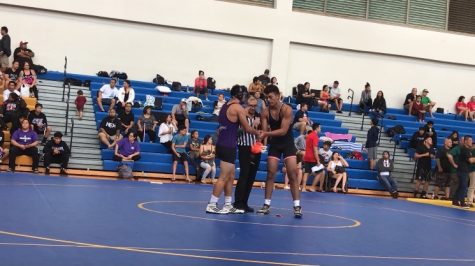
(244, 138)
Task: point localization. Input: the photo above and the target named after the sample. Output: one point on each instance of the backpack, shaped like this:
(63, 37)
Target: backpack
(157, 103)
(39, 69)
(196, 106)
(176, 86)
(159, 80)
(125, 170)
(118, 75)
(211, 83)
(396, 130)
(73, 81)
(103, 74)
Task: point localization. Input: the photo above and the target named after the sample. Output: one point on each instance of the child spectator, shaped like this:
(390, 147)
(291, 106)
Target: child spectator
(24, 141)
(109, 131)
(80, 102)
(56, 151)
(207, 153)
(179, 142)
(462, 108)
(194, 151)
(39, 123)
(127, 149)
(147, 124)
(418, 109)
(372, 143)
(323, 100)
(385, 166)
(165, 133)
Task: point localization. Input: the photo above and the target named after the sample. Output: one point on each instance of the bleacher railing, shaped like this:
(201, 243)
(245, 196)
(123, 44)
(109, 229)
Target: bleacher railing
(67, 109)
(65, 75)
(71, 136)
(350, 97)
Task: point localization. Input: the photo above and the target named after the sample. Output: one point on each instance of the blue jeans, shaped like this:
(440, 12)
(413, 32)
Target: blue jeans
(462, 189)
(388, 182)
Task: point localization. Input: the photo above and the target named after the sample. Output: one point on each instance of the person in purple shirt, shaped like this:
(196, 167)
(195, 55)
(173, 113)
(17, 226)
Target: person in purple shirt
(127, 149)
(24, 141)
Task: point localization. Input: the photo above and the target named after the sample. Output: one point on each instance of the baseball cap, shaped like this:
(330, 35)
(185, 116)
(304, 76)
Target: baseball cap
(425, 90)
(23, 42)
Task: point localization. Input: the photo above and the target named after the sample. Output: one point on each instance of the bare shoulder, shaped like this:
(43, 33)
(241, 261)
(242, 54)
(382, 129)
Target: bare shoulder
(287, 110)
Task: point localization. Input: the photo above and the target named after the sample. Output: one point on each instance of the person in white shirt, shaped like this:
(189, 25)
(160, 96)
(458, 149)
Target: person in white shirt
(107, 95)
(166, 131)
(219, 104)
(126, 94)
(325, 152)
(336, 169)
(335, 96)
(10, 89)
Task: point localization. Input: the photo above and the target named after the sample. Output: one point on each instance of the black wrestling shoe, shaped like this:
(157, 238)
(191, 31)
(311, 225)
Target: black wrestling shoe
(264, 210)
(298, 212)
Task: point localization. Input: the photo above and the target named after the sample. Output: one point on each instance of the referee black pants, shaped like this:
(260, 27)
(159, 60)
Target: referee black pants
(248, 164)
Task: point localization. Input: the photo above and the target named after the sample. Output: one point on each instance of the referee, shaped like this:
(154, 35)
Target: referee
(248, 162)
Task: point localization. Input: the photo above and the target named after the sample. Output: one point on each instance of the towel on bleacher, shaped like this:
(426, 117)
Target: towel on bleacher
(336, 137)
(344, 145)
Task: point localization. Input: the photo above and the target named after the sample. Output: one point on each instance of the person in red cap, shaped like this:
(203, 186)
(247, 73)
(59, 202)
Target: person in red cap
(22, 54)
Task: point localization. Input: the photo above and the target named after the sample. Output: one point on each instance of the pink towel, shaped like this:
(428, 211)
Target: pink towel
(346, 137)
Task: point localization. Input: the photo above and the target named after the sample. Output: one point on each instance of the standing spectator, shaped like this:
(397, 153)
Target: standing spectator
(109, 131)
(23, 55)
(366, 102)
(335, 96)
(454, 158)
(147, 124)
(180, 114)
(428, 104)
(207, 152)
(372, 143)
(336, 170)
(463, 169)
(165, 133)
(194, 151)
(179, 142)
(264, 78)
(39, 123)
(10, 89)
(126, 94)
(218, 104)
(107, 95)
(418, 110)
(80, 102)
(443, 169)
(312, 158)
(5, 49)
(461, 108)
(424, 165)
(127, 149)
(56, 151)
(379, 104)
(410, 98)
(24, 141)
(385, 166)
(304, 95)
(301, 120)
(255, 86)
(273, 81)
(127, 120)
(12, 74)
(28, 78)
(323, 100)
(471, 108)
(471, 188)
(430, 131)
(201, 85)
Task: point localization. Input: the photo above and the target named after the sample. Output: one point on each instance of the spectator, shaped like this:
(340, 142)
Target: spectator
(255, 86)
(466, 160)
(109, 131)
(165, 133)
(201, 85)
(180, 114)
(379, 104)
(312, 159)
(461, 108)
(10, 108)
(273, 81)
(147, 124)
(471, 108)
(304, 95)
(5, 49)
(454, 158)
(56, 151)
(385, 167)
(372, 143)
(3, 152)
(366, 102)
(218, 104)
(410, 98)
(418, 110)
(125, 95)
(28, 79)
(336, 169)
(335, 97)
(443, 169)
(423, 172)
(325, 152)
(264, 78)
(107, 95)
(261, 106)
(301, 120)
(24, 141)
(323, 100)
(207, 152)
(127, 149)
(10, 89)
(179, 142)
(300, 143)
(430, 131)
(12, 74)
(23, 55)
(471, 188)
(194, 152)
(39, 123)
(417, 138)
(80, 102)
(454, 136)
(427, 103)
(127, 123)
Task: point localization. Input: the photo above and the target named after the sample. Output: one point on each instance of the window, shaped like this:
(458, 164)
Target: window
(266, 3)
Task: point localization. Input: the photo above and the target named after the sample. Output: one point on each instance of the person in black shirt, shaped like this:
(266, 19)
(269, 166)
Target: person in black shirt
(304, 95)
(424, 165)
(417, 138)
(127, 120)
(372, 143)
(3, 152)
(379, 104)
(39, 123)
(443, 170)
(410, 98)
(430, 131)
(264, 78)
(463, 169)
(5, 49)
(301, 120)
(22, 54)
(12, 74)
(56, 151)
(109, 130)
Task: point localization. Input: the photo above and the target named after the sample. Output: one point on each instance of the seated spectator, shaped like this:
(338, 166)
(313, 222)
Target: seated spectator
(10, 108)
(471, 108)
(28, 79)
(179, 142)
(300, 144)
(273, 81)
(10, 89)
(430, 131)
(385, 166)
(324, 155)
(461, 108)
(180, 114)
(109, 131)
(261, 105)
(255, 86)
(5, 49)
(12, 74)
(201, 85)
(366, 102)
(107, 95)
(56, 151)
(218, 104)
(417, 138)
(194, 151)
(165, 133)
(264, 78)
(301, 120)
(127, 149)
(125, 95)
(336, 169)
(24, 141)
(39, 123)
(127, 120)
(379, 104)
(3, 152)
(410, 99)
(207, 153)
(80, 102)
(418, 110)
(147, 124)
(23, 55)
(304, 95)
(428, 104)
(335, 97)
(324, 98)
(444, 170)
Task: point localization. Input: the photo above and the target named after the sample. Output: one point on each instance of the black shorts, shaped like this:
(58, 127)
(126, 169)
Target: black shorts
(443, 180)
(308, 167)
(423, 174)
(226, 154)
(286, 150)
(106, 101)
(183, 157)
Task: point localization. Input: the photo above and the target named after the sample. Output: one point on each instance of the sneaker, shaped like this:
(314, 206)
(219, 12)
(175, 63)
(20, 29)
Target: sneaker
(213, 208)
(298, 212)
(249, 209)
(464, 206)
(47, 171)
(264, 210)
(228, 208)
(63, 172)
(35, 171)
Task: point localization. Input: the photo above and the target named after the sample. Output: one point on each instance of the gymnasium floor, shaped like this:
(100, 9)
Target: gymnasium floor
(68, 221)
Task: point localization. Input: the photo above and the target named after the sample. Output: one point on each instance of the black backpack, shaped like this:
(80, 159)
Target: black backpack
(396, 130)
(39, 69)
(211, 83)
(103, 74)
(161, 117)
(73, 81)
(159, 80)
(118, 75)
(176, 86)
